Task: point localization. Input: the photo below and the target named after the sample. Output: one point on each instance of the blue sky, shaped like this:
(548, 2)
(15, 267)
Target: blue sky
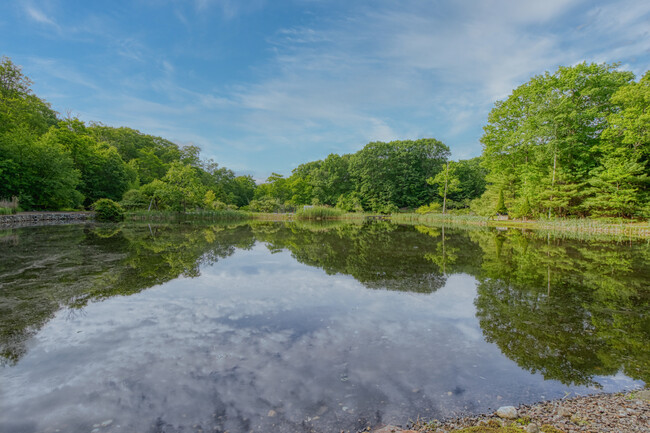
(265, 85)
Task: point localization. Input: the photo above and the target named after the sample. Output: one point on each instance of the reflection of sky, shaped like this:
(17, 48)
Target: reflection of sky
(259, 334)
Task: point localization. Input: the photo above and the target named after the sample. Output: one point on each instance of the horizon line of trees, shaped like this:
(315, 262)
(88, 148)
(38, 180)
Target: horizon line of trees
(572, 143)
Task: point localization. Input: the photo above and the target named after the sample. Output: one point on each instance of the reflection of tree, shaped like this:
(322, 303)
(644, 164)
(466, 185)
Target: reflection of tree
(377, 254)
(569, 310)
(66, 266)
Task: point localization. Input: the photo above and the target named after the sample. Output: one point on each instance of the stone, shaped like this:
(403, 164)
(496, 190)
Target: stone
(271, 413)
(564, 412)
(507, 412)
(107, 423)
(532, 428)
(643, 395)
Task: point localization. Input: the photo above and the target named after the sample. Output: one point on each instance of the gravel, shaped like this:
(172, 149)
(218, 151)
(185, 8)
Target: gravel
(601, 413)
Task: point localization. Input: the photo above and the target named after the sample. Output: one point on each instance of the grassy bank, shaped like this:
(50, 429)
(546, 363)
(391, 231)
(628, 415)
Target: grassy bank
(227, 215)
(621, 228)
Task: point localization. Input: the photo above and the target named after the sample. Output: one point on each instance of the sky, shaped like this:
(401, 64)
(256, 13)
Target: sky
(262, 86)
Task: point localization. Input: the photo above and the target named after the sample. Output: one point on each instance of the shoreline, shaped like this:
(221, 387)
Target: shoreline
(623, 412)
(582, 227)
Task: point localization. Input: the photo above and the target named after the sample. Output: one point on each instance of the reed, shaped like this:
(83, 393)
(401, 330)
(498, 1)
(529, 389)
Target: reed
(9, 207)
(200, 215)
(319, 213)
(588, 227)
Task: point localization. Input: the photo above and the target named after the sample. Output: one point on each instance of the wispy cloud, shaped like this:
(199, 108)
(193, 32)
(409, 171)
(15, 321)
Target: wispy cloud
(329, 78)
(39, 16)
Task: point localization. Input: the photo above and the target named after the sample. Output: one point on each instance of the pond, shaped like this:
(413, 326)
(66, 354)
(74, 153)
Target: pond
(290, 327)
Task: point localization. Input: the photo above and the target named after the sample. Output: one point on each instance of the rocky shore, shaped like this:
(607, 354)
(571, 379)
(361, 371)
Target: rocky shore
(602, 413)
(41, 218)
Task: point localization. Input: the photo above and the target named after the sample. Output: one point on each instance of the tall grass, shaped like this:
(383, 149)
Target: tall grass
(319, 213)
(9, 207)
(585, 226)
(202, 215)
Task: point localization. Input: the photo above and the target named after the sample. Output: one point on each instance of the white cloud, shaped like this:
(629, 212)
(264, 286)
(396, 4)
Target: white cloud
(39, 16)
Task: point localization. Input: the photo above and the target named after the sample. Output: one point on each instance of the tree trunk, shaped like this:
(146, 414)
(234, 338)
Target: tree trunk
(552, 181)
(444, 198)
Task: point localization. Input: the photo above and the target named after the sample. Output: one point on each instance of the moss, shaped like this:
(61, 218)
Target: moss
(525, 420)
(550, 429)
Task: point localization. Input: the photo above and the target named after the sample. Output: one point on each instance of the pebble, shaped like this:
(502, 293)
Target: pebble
(271, 413)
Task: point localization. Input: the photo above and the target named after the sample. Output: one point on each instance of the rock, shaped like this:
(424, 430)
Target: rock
(107, 423)
(271, 413)
(532, 428)
(564, 412)
(508, 412)
(643, 395)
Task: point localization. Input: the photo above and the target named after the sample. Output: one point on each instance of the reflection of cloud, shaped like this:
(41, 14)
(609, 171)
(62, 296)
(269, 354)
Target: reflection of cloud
(236, 344)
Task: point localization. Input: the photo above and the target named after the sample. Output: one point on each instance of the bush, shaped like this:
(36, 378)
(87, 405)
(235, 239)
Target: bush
(108, 210)
(265, 204)
(434, 207)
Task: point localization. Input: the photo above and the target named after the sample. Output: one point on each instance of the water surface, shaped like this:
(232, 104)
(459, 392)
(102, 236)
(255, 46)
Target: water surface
(294, 327)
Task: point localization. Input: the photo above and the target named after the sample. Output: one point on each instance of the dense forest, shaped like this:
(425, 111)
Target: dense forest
(573, 143)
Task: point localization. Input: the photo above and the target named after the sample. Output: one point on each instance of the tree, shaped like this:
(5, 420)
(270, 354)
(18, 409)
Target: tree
(543, 136)
(103, 172)
(614, 187)
(447, 181)
(394, 174)
(180, 188)
(501, 208)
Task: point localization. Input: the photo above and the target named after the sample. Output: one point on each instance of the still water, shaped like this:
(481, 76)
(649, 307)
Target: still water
(293, 327)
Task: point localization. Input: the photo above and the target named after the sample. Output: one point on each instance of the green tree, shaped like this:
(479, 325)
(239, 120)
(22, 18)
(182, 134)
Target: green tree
(394, 174)
(447, 181)
(181, 188)
(542, 137)
(501, 208)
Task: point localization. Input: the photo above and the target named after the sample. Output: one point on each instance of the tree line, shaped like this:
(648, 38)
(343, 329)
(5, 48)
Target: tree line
(51, 163)
(572, 143)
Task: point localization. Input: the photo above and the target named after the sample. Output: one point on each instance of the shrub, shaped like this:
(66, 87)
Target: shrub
(265, 204)
(433, 207)
(108, 210)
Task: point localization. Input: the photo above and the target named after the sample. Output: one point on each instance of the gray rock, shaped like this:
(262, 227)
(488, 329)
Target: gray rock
(107, 423)
(507, 412)
(532, 428)
(643, 395)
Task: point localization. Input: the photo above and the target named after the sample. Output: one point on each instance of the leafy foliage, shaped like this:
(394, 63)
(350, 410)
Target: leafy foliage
(108, 210)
